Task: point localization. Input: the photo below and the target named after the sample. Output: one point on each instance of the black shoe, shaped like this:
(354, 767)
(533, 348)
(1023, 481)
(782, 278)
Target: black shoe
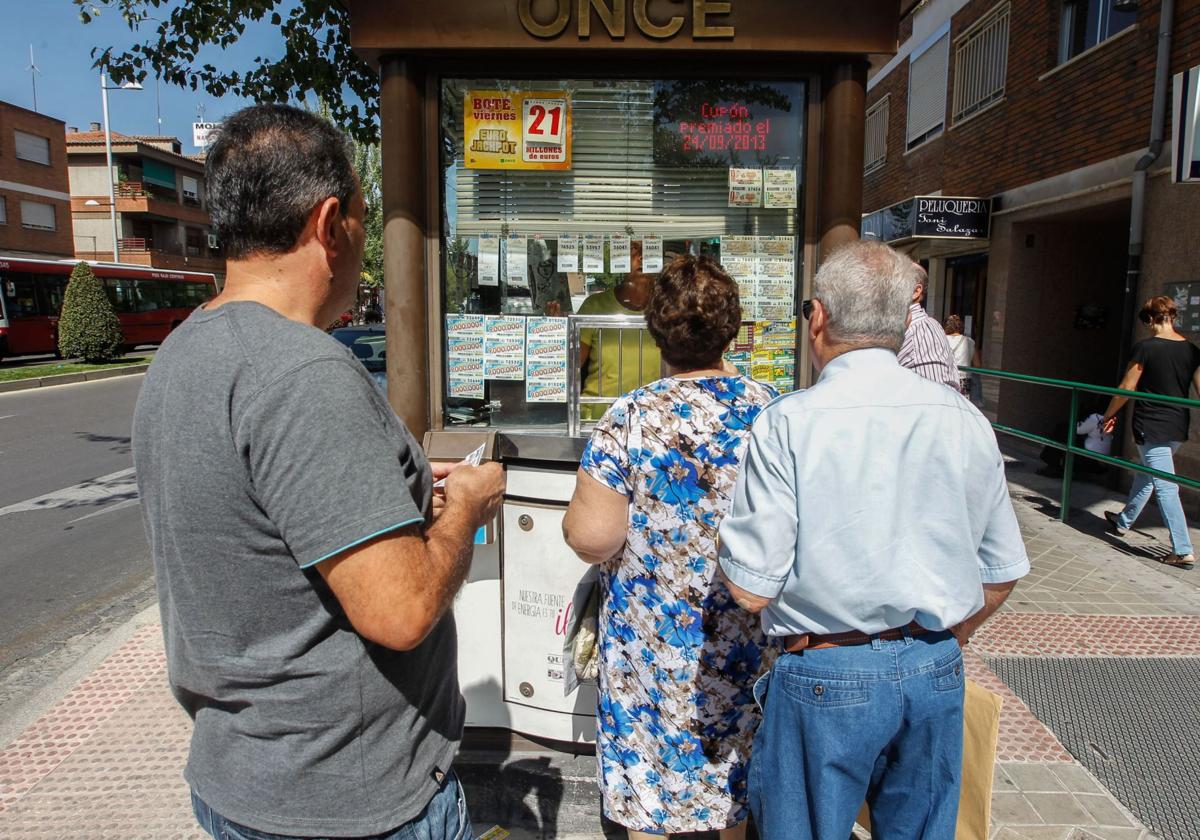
(1113, 525)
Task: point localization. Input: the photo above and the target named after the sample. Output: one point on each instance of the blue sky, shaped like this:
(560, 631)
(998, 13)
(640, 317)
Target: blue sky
(68, 88)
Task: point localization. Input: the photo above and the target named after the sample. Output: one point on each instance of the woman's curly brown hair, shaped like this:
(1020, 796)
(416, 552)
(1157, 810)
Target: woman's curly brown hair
(693, 312)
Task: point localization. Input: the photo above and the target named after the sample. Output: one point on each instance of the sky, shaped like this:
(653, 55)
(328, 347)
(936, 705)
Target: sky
(68, 88)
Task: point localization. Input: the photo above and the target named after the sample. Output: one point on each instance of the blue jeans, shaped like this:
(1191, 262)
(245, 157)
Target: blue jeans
(881, 722)
(1159, 456)
(444, 818)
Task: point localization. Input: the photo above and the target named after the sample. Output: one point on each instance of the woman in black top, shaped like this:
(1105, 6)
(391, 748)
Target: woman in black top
(1166, 364)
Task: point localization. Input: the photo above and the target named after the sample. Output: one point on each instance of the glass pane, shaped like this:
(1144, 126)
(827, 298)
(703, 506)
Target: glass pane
(566, 197)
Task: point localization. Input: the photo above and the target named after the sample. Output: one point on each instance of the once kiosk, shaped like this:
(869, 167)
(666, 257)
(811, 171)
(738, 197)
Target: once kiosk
(538, 154)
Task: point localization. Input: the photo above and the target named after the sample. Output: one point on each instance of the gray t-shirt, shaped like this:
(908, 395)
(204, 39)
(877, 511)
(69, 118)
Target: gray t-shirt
(262, 447)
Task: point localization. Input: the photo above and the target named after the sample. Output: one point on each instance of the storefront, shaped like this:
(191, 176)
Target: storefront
(538, 155)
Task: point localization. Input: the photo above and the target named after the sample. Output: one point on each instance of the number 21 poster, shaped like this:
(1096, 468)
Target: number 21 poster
(510, 130)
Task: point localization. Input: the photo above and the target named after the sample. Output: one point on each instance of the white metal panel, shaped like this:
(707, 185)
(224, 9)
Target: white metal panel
(547, 485)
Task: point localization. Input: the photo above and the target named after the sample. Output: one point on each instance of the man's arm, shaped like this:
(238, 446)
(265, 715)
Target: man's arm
(746, 600)
(396, 588)
(597, 520)
(994, 594)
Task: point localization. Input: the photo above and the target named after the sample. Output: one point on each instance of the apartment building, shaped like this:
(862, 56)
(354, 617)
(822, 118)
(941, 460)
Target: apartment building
(1001, 146)
(35, 204)
(161, 209)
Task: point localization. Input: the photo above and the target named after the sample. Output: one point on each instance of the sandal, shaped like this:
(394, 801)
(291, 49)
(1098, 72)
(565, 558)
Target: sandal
(1179, 561)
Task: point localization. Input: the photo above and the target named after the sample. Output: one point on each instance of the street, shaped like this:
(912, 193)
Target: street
(74, 559)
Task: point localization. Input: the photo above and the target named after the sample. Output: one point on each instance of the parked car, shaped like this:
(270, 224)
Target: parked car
(369, 345)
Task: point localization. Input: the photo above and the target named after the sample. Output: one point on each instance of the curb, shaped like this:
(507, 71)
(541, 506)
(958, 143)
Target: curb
(69, 378)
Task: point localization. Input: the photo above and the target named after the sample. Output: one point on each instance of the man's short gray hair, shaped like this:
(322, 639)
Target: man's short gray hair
(866, 288)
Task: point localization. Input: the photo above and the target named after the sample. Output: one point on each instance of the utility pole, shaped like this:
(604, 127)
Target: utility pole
(34, 71)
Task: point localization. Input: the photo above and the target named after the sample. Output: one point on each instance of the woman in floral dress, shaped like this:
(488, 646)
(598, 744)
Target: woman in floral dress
(677, 656)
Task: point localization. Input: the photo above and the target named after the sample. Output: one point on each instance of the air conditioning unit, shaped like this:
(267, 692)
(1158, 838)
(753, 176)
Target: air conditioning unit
(212, 240)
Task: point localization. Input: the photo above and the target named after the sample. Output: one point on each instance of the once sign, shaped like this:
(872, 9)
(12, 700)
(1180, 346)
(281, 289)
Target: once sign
(657, 19)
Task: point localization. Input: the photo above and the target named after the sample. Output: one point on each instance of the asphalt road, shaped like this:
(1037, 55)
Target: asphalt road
(74, 562)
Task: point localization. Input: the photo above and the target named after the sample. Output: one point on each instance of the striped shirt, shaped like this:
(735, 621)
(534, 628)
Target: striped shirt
(926, 351)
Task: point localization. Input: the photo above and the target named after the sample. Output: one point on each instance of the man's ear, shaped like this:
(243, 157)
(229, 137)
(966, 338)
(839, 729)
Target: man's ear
(328, 222)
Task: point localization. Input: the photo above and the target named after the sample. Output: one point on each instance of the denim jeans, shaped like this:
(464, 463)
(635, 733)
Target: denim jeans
(1159, 456)
(444, 818)
(880, 722)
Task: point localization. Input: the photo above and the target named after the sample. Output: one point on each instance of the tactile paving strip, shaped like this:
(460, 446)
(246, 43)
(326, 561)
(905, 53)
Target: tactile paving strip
(1132, 722)
(1024, 634)
(1022, 736)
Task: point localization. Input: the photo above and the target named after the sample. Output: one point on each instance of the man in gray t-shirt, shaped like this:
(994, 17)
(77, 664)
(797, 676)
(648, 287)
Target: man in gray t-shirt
(304, 567)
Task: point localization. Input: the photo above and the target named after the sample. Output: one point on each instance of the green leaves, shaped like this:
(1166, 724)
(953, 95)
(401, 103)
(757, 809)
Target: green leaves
(88, 327)
(317, 57)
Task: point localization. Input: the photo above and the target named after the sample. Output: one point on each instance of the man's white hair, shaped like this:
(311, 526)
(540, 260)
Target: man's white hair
(866, 288)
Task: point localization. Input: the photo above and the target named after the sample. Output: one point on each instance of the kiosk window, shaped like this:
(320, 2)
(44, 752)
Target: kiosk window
(555, 192)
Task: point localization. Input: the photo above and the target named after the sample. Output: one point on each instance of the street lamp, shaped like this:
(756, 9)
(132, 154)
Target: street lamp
(112, 197)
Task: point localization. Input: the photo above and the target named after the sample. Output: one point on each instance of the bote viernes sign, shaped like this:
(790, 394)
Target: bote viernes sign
(517, 130)
(951, 217)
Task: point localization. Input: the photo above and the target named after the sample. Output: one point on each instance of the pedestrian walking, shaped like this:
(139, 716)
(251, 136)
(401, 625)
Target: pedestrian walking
(304, 573)
(1168, 364)
(962, 348)
(872, 527)
(925, 350)
(678, 656)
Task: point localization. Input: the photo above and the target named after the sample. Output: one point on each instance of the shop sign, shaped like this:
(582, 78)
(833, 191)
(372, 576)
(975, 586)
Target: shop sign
(709, 18)
(204, 134)
(944, 217)
(515, 130)
(930, 217)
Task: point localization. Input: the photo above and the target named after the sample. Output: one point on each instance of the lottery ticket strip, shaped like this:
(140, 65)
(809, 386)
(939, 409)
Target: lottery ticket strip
(105, 758)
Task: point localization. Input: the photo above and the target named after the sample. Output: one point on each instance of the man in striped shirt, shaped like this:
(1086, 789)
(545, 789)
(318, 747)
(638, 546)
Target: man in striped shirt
(926, 351)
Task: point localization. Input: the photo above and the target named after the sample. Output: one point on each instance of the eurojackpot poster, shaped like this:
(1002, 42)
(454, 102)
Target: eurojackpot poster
(509, 130)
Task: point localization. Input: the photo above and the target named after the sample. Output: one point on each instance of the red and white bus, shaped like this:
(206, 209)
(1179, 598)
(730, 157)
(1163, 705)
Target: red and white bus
(149, 302)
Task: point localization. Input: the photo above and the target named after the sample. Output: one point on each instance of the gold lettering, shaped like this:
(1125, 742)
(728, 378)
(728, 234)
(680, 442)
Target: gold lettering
(544, 30)
(612, 18)
(641, 15)
(701, 9)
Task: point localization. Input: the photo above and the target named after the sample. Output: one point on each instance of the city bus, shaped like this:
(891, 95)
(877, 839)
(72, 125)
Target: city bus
(149, 302)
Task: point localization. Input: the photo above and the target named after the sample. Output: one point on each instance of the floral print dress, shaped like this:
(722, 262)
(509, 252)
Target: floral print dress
(678, 656)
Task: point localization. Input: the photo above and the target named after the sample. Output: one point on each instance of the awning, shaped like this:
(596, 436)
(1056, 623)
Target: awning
(159, 174)
(930, 217)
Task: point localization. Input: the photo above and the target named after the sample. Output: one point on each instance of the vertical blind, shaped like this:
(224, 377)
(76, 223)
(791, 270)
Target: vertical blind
(927, 89)
(614, 184)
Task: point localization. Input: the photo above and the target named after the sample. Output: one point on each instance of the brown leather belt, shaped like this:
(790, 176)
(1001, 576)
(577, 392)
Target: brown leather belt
(810, 641)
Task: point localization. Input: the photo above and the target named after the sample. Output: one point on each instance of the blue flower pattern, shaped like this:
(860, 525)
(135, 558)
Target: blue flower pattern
(678, 657)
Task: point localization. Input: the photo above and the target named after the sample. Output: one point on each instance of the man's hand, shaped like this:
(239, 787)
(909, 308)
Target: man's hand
(994, 594)
(480, 488)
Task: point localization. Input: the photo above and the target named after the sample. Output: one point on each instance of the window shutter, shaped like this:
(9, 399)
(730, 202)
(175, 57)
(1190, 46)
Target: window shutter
(191, 187)
(614, 184)
(33, 148)
(3, 211)
(876, 135)
(36, 215)
(927, 89)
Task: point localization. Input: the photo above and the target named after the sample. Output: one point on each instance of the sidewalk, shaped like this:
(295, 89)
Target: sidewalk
(1101, 641)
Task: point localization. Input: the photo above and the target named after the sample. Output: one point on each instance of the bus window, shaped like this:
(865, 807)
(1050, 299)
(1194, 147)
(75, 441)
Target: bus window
(20, 295)
(121, 293)
(149, 295)
(53, 289)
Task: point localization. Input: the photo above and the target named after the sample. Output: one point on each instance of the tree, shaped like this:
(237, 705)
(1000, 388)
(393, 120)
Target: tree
(88, 327)
(317, 55)
(368, 162)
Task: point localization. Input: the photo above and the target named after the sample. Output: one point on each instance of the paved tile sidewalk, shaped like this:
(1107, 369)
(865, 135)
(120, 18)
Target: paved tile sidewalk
(105, 760)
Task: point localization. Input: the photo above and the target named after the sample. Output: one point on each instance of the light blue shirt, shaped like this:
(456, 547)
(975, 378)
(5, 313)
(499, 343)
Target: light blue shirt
(872, 499)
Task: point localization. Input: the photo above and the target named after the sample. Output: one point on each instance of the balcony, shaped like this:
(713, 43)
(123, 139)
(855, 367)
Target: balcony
(140, 251)
(139, 197)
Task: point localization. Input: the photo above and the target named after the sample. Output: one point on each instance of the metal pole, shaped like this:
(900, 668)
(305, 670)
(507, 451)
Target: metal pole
(112, 195)
(1069, 457)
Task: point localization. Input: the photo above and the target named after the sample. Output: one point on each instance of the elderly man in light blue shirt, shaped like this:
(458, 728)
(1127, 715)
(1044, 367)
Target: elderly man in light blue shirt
(872, 527)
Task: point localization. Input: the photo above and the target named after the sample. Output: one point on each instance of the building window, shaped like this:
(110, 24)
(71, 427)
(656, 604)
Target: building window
(875, 155)
(191, 190)
(1086, 23)
(37, 216)
(3, 211)
(32, 148)
(927, 67)
(981, 64)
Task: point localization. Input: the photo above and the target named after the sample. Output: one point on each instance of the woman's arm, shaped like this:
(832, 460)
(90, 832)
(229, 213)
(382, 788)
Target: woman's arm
(597, 520)
(1133, 375)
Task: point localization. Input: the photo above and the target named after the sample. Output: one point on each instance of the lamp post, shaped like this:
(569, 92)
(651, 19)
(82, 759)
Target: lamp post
(112, 196)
